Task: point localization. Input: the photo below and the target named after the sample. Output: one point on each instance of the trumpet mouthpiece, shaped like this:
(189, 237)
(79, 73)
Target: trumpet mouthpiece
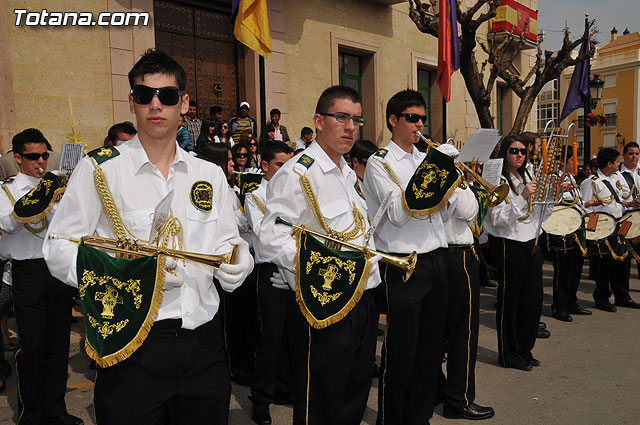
(55, 236)
(41, 170)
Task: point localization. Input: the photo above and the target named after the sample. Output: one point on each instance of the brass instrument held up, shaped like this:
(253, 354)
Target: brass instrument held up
(407, 264)
(548, 169)
(130, 248)
(497, 194)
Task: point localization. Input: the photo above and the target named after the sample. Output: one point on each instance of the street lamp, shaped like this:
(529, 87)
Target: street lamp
(590, 102)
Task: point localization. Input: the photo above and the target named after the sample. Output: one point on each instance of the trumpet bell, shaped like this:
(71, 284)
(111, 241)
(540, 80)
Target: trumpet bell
(498, 194)
(409, 265)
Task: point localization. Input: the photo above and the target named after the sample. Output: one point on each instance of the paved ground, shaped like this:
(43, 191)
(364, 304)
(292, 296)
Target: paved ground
(590, 372)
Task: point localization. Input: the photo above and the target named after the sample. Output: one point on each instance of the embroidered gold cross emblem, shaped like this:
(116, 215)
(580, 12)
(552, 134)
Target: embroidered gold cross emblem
(109, 300)
(330, 274)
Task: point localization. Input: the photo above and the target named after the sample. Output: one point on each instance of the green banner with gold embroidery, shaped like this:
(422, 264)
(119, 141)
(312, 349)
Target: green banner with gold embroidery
(432, 183)
(617, 247)
(329, 282)
(247, 182)
(483, 206)
(120, 300)
(35, 205)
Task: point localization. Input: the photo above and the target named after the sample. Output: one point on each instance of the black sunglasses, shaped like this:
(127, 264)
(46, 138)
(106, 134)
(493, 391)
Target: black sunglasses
(515, 151)
(242, 155)
(414, 118)
(168, 96)
(34, 156)
(253, 144)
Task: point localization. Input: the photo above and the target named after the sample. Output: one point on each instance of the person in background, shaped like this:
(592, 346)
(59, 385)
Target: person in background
(184, 137)
(306, 137)
(207, 134)
(243, 122)
(215, 114)
(254, 160)
(223, 134)
(240, 157)
(280, 131)
(120, 132)
(267, 136)
(359, 155)
(191, 120)
(220, 154)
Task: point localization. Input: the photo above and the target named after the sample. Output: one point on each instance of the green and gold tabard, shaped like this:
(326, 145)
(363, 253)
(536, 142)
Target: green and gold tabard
(329, 282)
(35, 205)
(120, 300)
(247, 183)
(433, 182)
(483, 206)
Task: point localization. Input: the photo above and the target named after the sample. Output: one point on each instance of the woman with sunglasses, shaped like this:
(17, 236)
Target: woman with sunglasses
(512, 245)
(255, 159)
(207, 134)
(240, 157)
(223, 134)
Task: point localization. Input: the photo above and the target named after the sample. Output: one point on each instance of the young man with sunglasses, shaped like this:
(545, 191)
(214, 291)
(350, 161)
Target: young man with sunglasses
(180, 369)
(42, 303)
(417, 308)
(333, 366)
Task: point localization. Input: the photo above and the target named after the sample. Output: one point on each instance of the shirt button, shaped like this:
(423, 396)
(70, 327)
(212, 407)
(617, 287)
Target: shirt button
(184, 286)
(133, 223)
(187, 314)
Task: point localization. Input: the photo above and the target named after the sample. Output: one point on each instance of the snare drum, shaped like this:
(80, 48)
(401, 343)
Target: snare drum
(561, 227)
(633, 233)
(605, 227)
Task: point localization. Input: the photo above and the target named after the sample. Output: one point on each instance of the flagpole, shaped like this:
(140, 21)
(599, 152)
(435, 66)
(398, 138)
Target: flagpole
(586, 152)
(444, 119)
(263, 103)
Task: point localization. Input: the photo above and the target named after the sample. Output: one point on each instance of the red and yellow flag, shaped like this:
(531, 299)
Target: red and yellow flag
(252, 26)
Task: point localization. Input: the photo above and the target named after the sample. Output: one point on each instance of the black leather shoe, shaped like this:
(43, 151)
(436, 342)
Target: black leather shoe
(535, 362)
(579, 311)
(606, 307)
(542, 325)
(65, 419)
(543, 333)
(472, 412)
(563, 316)
(520, 366)
(628, 303)
(260, 414)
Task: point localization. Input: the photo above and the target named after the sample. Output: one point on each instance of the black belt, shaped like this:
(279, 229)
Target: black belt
(458, 248)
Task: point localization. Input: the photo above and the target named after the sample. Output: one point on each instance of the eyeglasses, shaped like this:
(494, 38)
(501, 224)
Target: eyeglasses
(414, 118)
(168, 96)
(224, 127)
(515, 151)
(34, 156)
(344, 118)
(253, 144)
(242, 155)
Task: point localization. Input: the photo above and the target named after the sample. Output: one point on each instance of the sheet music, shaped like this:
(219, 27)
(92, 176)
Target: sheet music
(492, 170)
(70, 155)
(479, 145)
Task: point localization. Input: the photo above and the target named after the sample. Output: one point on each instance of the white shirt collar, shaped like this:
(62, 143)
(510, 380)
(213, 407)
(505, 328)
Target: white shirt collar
(24, 181)
(141, 159)
(400, 153)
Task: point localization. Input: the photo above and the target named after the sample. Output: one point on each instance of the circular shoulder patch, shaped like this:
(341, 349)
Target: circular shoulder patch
(619, 185)
(202, 195)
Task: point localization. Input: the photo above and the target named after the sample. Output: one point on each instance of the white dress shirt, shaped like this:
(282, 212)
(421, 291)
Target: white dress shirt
(336, 195)
(254, 204)
(464, 209)
(137, 187)
(503, 221)
(398, 231)
(635, 175)
(597, 184)
(17, 242)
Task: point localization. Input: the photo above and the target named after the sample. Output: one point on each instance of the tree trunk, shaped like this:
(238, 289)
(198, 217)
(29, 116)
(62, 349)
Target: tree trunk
(473, 80)
(524, 109)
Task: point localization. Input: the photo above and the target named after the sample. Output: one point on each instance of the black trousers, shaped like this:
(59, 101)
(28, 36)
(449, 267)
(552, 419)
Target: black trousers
(412, 351)
(519, 299)
(242, 327)
(567, 271)
(272, 370)
(332, 366)
(461, 333)
(612, 276)
(177, 372)
(42, 306)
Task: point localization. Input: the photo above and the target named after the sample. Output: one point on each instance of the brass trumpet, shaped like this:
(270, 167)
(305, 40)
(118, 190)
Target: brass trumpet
(407, 264)
(130, 248)
(497, 194)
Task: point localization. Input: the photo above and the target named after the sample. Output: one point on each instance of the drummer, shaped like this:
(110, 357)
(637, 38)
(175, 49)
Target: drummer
(631, 171)
(609, 193)
(567, 264)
